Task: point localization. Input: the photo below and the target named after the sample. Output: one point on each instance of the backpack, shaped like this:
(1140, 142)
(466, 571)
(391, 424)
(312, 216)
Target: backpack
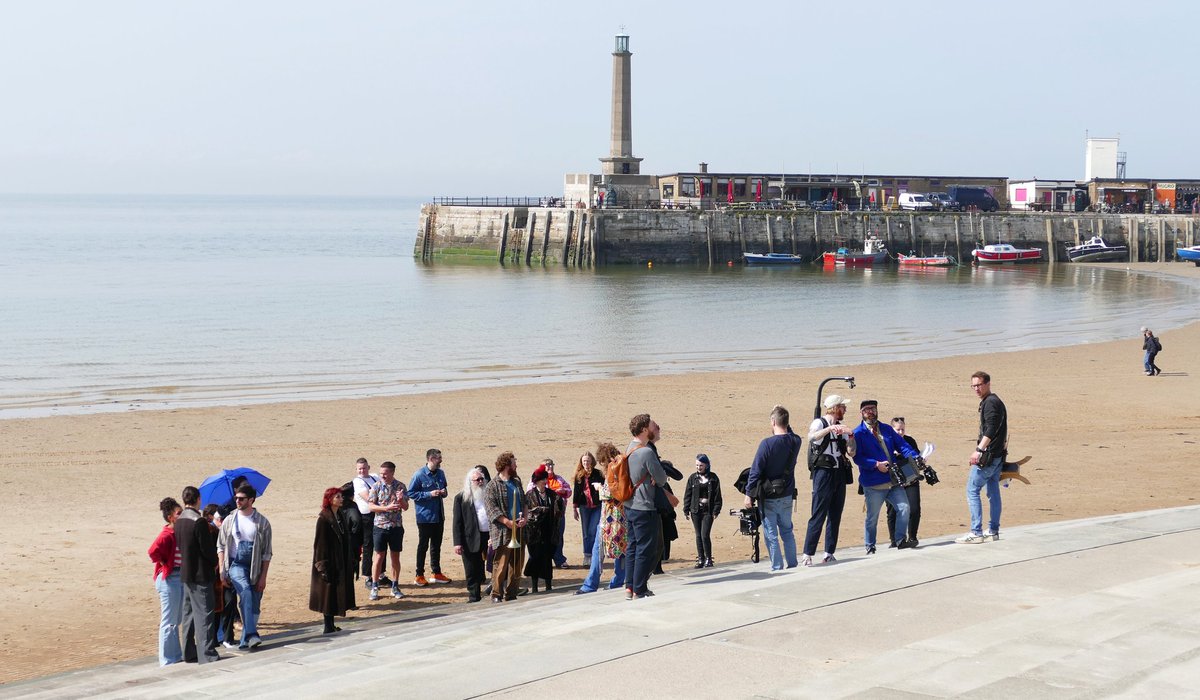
(1157, 344)
(816, 449)
(619, 485)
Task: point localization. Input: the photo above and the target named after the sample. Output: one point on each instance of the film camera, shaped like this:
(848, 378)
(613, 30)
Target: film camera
(748, 522)
(911, 471)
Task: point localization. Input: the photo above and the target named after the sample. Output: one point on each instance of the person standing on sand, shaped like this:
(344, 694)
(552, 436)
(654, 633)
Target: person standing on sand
(1151, 346)
(545, 509)
(388, 500)
(331, 581)
(913, 491)
(244, 548)
(835, 444)
(471, 530)
(198, 557)
(702, 504)
(876, 443)
(362, 483)
(612, 535)
(646, 473)
(986, 461)
(427, 490)
(166, 558)
(773, 479)
(562, 487)
(505, 505)
(586, 500)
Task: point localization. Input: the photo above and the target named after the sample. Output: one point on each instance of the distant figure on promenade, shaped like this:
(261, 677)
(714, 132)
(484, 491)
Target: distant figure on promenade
(1152, 346)
(471, 530)
(913, 491)
(641, 512)
(702, 504)
(505, 504)
(427, 490)
(197, 557)
(544, 510)
(773, 480)
(387, 500)
(876, 442)
(612, 532)
(244, 549)
(363, 481)
(562, 487)
(986, 461)
(166, 558)
(832, 444)
(331, 581)
(585, 500)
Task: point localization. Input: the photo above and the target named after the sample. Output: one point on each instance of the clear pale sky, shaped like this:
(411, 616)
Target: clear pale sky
(486, 98)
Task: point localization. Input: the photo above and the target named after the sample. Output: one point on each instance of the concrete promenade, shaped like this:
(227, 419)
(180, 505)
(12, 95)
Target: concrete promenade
(1090, 608)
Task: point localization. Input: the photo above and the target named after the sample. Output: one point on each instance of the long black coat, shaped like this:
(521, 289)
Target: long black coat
(466, 531)
(332, 589)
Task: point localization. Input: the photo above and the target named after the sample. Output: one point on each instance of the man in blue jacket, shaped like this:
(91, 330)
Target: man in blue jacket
(427, 490)
(876, 443)
(772, 481)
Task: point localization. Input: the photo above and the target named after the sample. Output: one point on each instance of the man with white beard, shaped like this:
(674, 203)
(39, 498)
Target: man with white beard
(471, 531)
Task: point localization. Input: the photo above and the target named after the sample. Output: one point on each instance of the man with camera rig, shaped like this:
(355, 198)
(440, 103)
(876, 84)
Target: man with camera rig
(773, 479)
(830, 447)
(912, 490)
(880, 476)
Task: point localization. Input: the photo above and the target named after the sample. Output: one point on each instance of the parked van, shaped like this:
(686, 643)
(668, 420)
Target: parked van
(973, 197)
(911, 201)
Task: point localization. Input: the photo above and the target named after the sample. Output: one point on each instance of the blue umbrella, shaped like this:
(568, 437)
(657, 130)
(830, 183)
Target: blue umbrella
(218, 488)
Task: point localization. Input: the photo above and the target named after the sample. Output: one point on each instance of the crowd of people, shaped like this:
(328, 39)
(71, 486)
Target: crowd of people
(211, 567)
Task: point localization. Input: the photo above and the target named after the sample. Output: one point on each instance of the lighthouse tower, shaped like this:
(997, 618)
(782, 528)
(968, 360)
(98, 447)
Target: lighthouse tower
(620, 160)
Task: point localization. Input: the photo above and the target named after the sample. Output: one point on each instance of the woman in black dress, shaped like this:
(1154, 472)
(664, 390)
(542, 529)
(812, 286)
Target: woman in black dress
(545, 509)
(702, 505)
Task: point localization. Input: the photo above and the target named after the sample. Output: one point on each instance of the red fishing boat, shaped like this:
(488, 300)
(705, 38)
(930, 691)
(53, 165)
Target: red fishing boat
(926, 260)
(874, 252)
(1000, 253)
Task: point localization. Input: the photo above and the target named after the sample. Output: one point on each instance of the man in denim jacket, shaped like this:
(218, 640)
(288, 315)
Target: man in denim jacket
(427, 490)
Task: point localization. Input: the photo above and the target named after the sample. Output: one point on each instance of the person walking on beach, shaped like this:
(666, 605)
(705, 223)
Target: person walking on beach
(562, 487)
(833, 445)
(362, 483)
(244, 549)
(331, 581)
(702, 504)
(427, 491)
(1151, 346)
(197, 561)
(773, 479)
(641, 511)
(876, 443)
(471, 530)
(166, 558)
(612, 533)
(387, 500)
(986, 461)
(505, 505)
(585, 500)
(912, 491)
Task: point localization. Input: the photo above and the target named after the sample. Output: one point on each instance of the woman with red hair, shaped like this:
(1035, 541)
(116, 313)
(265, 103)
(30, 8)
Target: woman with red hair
(332, 589)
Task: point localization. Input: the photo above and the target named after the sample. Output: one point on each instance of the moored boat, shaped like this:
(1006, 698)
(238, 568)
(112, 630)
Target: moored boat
(999, 253)
(874, 252)
(772, 259)
(926, 260)
(1190, 254)
(1096, 250)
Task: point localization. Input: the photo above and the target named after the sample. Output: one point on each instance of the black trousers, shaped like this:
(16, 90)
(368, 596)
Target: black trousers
(429, 538)
(368, 543)
(703, 522)
(913, 491)
(828, 500)
(473, 567)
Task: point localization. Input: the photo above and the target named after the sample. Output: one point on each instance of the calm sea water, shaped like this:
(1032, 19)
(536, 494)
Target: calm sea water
(118, 303)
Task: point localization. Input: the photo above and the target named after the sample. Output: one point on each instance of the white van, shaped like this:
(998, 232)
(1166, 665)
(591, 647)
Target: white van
(915, 202)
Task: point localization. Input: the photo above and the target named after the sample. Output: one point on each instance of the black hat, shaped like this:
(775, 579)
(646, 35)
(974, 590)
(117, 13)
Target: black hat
(868, 402)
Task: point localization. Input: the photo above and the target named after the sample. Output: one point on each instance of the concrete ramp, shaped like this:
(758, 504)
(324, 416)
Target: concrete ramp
(1089, 608)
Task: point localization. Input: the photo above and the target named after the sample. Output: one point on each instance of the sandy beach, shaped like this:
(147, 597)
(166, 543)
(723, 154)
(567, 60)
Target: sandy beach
(1104, 439)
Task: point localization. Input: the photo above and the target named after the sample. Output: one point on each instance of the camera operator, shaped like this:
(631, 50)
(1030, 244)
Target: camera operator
(773, 480)
(913, 491)
(832, 445)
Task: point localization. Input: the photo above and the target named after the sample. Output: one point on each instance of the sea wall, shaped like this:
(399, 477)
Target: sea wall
(582, 237)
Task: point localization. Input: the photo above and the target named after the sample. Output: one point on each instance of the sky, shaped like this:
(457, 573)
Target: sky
(452, 98)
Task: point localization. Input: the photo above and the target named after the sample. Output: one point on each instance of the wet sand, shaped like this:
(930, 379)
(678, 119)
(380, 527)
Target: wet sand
(81, 492)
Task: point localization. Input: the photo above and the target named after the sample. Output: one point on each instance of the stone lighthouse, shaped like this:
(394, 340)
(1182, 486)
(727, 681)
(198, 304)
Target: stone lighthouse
(620, 160)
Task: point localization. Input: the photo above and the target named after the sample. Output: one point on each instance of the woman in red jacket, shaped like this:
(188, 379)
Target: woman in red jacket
(165, 556)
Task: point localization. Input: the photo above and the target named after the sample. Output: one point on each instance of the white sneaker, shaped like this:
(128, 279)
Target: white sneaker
(374, 593)
(806, 560)
(971, 538)
(828, 558)
(989, 536)
(396, 593)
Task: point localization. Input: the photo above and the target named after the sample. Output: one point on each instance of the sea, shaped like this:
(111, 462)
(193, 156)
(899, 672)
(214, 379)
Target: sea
(120, 303)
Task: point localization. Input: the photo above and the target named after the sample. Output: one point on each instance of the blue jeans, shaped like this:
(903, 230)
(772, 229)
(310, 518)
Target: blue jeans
(875, 498)
(249, 600)
(559, 557)
(170, 598)
(980, 477)
(645, 531)
(589, 519)
(777, 528)
(592, 582)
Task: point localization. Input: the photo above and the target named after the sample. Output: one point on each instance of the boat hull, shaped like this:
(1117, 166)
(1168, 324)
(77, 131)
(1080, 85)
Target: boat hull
(1024, 256)
(855, 259)
(1117, 253)
(929, 261)
(1191, 255)
(772, 259)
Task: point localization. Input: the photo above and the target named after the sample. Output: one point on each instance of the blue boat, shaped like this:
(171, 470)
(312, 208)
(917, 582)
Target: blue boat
(772, 259)
(1191, 254)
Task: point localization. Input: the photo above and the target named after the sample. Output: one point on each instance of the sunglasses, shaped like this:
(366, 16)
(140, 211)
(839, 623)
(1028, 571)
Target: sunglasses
(241, 498)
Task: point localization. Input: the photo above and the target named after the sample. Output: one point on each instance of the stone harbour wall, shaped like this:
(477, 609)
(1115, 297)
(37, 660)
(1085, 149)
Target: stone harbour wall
(584, 237)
